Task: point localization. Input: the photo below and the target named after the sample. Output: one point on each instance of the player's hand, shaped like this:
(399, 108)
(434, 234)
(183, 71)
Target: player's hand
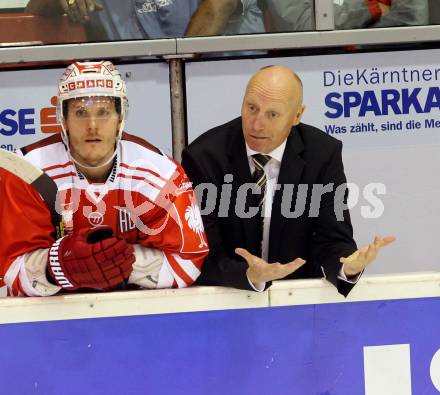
(80, 10)
(260, 271)
(361, 258)
(384, 6)
(91, 258)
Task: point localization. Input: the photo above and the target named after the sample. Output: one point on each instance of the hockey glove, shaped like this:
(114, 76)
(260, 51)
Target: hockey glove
(91, 258)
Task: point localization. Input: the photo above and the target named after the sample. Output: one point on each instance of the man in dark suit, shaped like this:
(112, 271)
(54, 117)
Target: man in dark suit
(273, 190)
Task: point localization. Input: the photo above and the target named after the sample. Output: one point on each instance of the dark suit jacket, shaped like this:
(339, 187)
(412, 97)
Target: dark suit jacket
(311, 157)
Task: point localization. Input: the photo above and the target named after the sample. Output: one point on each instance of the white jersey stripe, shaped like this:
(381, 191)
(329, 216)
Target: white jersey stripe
(138, 178)
(142, 172)
(138, 157)
(145, 189)
(60, 170)
(13, 272)
(187, 266)
(63, 175)
(167, 276)
(165, 279)
(58, 166)
(141, 187)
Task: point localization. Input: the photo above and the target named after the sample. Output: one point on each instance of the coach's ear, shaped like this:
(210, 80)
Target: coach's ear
(298, 115)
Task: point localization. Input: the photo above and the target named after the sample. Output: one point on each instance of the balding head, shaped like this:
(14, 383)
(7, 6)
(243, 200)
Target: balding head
(280, 82)
(271, 106)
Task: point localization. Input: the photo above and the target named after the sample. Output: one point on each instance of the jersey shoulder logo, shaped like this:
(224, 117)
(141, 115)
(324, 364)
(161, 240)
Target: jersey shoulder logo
(194, 221)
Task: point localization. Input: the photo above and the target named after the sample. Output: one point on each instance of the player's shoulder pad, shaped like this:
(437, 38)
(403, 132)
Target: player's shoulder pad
(140, 141)
(138, 154)
(56, 138)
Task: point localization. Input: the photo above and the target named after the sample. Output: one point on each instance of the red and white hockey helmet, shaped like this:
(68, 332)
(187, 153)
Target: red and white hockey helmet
(86, 79)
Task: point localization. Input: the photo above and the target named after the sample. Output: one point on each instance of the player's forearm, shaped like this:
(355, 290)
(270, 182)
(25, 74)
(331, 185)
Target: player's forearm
(147, 267)
(155, 268)
(183, 268)
(211, 17)
(26, 276)
(44, 7)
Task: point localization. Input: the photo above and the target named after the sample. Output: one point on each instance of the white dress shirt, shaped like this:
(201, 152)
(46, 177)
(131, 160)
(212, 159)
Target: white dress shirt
(272, 170)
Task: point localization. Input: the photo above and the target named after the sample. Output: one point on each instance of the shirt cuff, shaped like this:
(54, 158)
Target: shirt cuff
(259, 287)
(352, 280)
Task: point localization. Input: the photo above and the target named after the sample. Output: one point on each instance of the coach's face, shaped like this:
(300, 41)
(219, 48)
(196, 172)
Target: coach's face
(92, 125)
(271, 106)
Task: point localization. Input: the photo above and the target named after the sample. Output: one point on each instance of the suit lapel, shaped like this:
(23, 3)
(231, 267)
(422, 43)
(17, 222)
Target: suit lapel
(242, 175)
(292, 166)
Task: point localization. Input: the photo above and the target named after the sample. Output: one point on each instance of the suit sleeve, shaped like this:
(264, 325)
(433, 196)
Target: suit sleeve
(333, 236)
(23, 249)
(220, 268)
(173, 241)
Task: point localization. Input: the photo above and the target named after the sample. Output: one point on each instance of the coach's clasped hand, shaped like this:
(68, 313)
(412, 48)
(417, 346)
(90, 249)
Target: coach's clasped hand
(91, 258)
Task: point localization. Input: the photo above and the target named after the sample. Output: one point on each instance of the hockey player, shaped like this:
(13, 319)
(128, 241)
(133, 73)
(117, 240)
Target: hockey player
(25, 216)
(32, 224)
(113, 186)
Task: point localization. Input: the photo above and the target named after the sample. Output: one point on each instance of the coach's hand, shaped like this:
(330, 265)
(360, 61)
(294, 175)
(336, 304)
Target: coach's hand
(361, 258)
(260, 271)
(91, 258)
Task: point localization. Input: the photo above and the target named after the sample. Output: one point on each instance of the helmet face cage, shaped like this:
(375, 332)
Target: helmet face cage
(85, 79)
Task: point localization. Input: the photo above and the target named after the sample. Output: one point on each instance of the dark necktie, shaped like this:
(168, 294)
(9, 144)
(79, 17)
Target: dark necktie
(259, 178)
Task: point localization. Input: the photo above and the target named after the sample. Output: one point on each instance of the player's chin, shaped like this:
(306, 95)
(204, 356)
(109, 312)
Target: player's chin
(94, 158)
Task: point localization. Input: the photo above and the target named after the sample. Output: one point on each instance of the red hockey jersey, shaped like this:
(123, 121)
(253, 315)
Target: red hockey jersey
(26, 221)
(147, 199)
